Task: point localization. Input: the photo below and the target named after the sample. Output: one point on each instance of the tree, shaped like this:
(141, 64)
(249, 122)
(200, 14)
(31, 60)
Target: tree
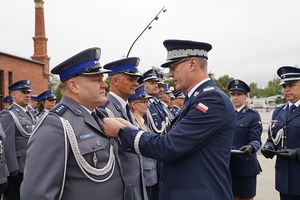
(223, 81)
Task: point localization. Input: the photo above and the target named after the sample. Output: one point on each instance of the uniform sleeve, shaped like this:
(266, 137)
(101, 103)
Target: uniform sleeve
(255, 132)
(45, 158)
(9, 129)
(194, 130)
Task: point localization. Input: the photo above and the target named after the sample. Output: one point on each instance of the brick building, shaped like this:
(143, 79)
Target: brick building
(36, 69)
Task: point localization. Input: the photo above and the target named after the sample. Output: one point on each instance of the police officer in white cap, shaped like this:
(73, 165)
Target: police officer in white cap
(284, 137)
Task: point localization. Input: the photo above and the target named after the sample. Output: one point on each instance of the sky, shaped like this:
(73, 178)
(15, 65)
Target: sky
(251, 39)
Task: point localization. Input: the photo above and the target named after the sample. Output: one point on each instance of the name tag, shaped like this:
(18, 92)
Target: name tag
(85, 136)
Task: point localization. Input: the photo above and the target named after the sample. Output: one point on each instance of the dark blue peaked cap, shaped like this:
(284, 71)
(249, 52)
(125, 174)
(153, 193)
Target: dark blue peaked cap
(48, 94)
(140, 93)
(238, 85)
(126, 65)
(35, 98)
(84, 63)
(20, 85)
(178, 49)
(288, 74)
(151, 74)
(7, 99)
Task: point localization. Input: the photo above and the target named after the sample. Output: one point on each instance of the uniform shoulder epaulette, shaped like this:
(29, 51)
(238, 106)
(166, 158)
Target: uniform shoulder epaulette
(209, 88)
(251, 109)
(59, 109)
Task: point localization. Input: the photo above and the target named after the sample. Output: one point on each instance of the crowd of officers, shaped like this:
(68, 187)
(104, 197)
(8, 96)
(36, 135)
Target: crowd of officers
(143, 140)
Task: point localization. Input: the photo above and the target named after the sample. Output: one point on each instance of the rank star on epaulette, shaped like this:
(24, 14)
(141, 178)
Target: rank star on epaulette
(203, 108)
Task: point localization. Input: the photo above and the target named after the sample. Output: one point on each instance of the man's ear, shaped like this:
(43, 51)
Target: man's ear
(73, 85)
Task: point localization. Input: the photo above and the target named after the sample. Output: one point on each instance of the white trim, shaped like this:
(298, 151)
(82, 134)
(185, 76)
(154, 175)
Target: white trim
(137, 142)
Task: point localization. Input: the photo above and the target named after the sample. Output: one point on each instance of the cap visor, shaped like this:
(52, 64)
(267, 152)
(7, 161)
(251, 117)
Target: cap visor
(133, 74)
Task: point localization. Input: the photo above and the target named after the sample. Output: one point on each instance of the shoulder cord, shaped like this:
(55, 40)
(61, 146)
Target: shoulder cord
(83, 165)
(279, 133)
(152, 125)
(18, 125)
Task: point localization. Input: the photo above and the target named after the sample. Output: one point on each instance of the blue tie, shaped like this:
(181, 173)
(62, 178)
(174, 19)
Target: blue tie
(128, 113)
(291, 109)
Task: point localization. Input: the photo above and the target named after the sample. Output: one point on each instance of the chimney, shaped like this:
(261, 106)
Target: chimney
(39, 39)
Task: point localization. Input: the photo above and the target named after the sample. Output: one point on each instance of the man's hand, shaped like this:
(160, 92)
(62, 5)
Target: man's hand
(112, 126)
(247, 149)
(267, 151)
(288, 154)
(125, 122)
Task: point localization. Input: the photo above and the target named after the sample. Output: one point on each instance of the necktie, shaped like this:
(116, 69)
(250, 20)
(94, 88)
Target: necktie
(291, 109)
(94, 114)
(128, 113)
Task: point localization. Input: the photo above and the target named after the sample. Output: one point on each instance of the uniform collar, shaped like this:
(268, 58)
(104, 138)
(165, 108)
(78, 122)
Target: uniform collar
(296, 104)
(196, 86)
(240, 108)
(121, 101)
(22, 108)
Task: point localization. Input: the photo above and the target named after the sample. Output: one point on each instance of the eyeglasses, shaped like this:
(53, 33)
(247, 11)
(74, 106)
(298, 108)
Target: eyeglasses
(174, 65)
(142, 101)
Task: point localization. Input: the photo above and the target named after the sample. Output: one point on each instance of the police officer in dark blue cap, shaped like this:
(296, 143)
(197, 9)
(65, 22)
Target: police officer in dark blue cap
(34, 105)
(139, 106)
(244, 165)
(157, 117)
(178, 102)
(68, 156)
(47, 102)
(195, 152)
(7, 101)
(284, 138)
(18, 125)
(123, 83)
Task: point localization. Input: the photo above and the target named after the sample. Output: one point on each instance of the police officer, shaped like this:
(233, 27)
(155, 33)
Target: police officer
(7, 101)
(123, 82)
(178, 102)
(18, 125)
(284, 137)
(34, 105)
(68, 156)
(244, 165)
(47, 102)
(139, 105)
(3, 166)
(157, 118)
(196, 149)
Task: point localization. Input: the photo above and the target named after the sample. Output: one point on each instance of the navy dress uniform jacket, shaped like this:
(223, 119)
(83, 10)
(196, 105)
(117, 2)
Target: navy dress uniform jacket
(131, 164)
(16, 142)
(248, 130)
(196, 149)
(287, 171)
(45, 162)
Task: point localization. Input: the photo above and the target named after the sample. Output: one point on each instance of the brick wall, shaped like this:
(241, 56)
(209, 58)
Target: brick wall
(23, 69)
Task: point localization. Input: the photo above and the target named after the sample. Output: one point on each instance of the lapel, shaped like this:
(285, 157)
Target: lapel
(283, 115)
(117, 105)
(293, 114)
(21, 113)
(81, 112)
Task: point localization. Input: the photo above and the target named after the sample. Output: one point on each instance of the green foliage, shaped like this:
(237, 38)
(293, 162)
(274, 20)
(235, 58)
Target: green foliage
(223, 81)
(273, 88)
